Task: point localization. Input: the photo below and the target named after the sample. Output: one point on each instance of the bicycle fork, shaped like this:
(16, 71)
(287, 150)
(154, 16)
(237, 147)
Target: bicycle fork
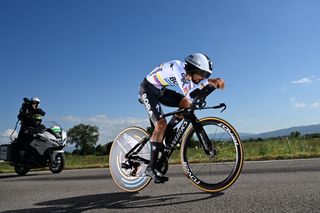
(204, 140)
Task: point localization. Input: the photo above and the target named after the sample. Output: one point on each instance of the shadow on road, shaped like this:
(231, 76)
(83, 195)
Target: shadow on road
(10, 175)
(116, 201)
(48, 177)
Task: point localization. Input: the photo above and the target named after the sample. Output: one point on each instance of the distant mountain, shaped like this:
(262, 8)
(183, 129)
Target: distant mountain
(311, 129)
(247, 135)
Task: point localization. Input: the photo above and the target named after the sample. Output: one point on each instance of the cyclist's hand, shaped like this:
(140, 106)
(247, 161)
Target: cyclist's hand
(218, 83)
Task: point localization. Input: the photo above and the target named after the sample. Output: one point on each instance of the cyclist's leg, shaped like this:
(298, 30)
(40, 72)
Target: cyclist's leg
(150, 97)
(184, 103)
(173, 99)
(156, 141)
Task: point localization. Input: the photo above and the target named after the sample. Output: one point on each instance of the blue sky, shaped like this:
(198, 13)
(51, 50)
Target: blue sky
(86, 59)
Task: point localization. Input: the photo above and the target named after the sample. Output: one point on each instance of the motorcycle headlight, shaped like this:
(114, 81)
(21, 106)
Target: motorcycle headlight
(56, 129)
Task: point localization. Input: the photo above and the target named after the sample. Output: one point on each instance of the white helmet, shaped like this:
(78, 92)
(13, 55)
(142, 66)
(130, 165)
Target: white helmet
(35, 99)
(200, 61)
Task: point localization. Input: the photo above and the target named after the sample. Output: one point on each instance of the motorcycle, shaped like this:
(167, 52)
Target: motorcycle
(46, 150)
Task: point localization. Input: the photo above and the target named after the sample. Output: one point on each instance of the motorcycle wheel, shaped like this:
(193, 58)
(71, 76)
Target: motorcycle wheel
(57, 166)
(21, 170)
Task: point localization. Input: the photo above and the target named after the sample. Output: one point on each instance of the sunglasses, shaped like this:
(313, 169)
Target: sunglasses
(202, 73)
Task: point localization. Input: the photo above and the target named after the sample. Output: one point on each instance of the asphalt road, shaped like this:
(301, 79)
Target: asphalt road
(270, 186)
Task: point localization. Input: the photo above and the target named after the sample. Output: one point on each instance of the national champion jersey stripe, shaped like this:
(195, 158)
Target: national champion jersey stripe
(156, 80)
(164, 83)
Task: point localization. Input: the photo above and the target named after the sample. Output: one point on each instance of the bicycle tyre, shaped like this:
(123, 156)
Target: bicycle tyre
(124, 142)
(220, 172)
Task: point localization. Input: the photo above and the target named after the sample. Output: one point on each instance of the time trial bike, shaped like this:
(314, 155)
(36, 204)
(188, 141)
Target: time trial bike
(211, 150)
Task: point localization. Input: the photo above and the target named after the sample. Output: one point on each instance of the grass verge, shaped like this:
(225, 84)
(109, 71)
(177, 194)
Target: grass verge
(275, 149)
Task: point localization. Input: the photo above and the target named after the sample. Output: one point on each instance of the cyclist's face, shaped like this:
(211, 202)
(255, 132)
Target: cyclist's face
(196, 78)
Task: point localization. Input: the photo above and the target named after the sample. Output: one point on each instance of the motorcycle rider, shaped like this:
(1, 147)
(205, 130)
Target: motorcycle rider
(189, 75)
(30, 116)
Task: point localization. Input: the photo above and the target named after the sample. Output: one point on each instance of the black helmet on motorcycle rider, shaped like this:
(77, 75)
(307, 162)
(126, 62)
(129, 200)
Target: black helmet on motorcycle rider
(199, 63)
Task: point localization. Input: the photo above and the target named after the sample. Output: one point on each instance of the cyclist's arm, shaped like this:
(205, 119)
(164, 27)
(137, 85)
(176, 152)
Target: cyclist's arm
(200, 85)
(218, 83)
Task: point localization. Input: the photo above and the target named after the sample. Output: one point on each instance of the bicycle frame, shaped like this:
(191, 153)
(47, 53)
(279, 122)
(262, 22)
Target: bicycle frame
(189, 118)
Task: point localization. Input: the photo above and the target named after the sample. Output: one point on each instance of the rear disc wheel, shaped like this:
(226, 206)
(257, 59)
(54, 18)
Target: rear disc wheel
(129, 179)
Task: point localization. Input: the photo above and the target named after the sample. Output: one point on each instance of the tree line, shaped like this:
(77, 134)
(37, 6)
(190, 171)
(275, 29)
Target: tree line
(85, 138)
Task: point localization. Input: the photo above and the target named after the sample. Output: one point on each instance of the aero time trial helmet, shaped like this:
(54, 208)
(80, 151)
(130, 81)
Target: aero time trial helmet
(201, 62)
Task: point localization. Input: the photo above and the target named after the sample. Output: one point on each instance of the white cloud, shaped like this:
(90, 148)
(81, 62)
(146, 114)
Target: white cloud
(315, 105)
(5, 135)
(108, 127)
(299, 105)
(306, 80)
(302, 81)
(70, 119)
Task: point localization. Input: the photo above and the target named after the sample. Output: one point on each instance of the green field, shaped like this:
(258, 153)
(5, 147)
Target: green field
(283, 148)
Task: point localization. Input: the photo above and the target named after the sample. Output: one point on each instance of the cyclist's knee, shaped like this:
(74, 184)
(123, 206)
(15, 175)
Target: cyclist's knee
(159, 129)
(184, 103)
(160, 126)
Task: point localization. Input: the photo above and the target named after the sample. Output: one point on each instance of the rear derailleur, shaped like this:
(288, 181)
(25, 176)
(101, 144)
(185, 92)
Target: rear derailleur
(131, 166)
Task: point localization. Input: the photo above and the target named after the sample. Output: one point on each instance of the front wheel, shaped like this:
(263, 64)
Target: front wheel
(57, 165)
(218, 170)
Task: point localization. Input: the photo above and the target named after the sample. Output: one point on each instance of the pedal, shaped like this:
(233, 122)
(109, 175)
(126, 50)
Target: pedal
(135, 168)
(125, 166)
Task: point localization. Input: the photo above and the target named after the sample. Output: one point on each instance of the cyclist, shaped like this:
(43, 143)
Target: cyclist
(189, 75)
